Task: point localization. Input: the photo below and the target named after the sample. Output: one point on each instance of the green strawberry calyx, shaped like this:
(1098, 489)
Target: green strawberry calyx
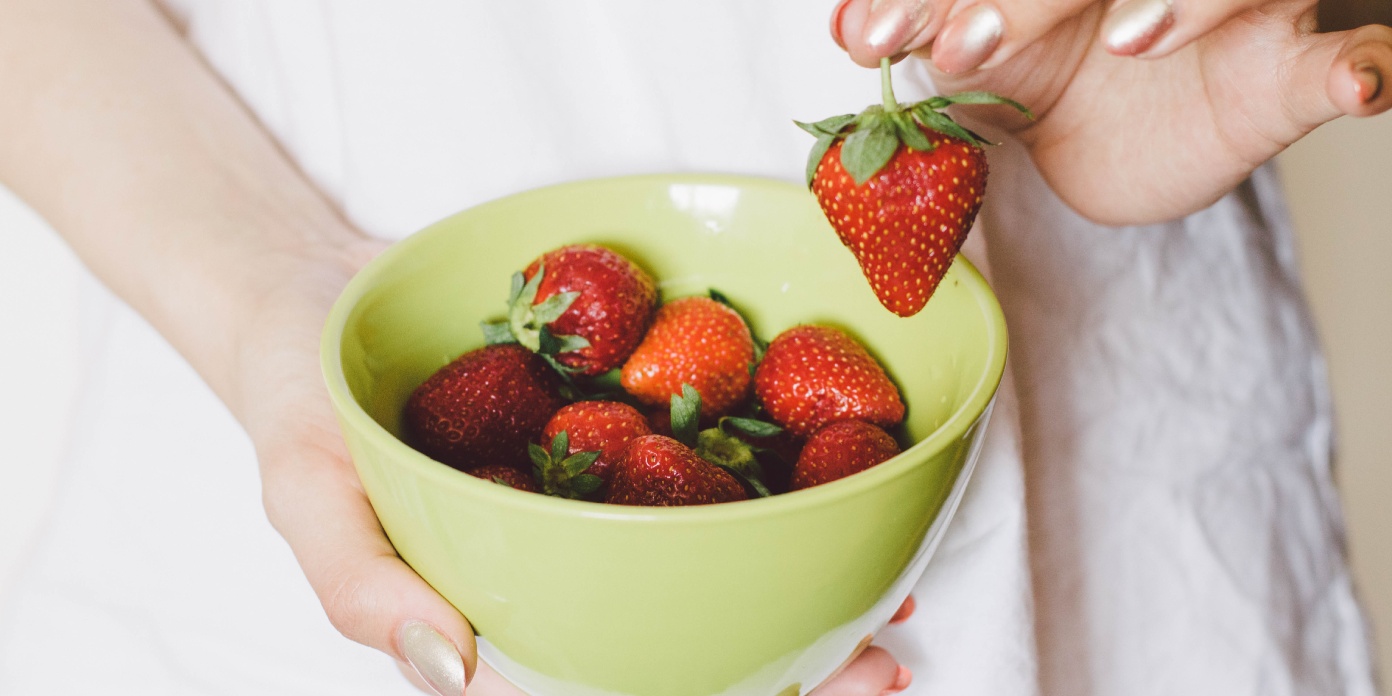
(875, 134)
(686, 415)
(561, 474)
(719, 445)
(528, 321)
(733, 455)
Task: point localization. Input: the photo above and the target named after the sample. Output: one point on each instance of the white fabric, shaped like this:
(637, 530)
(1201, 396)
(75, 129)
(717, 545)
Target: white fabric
(1153, 513)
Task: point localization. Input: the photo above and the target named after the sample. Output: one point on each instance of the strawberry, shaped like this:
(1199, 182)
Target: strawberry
(657, 470)
(584, 307)
(696, 341)
(839, 450)
(901, 185)
(814, 375)
(724, 444)
(604, 427)
(505, 475)
(483, 408)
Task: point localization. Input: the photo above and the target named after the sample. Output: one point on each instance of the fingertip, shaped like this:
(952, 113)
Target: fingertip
(924, 38)
(1367, 80)
(871, 671)
(836, 13)
(1358, 83)
(905, 611)
(876, 666)
(891, 25)
(870, 31)
(850, 23)
(902, 679)
(1368, 93)
(1135, 27)
(450, 627)
(1339, 74)
(969, 39)
(434, 657)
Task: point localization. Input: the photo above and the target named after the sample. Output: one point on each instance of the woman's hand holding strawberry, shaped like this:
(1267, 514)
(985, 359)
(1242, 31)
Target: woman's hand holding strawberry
(1147, 110)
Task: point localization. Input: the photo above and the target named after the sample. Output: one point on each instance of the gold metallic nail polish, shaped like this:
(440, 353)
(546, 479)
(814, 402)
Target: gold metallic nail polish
(969, 39)
(434, 657)
(890, 24)
(1133, 27)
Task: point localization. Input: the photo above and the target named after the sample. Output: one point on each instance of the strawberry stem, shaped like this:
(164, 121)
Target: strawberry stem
(891, 105)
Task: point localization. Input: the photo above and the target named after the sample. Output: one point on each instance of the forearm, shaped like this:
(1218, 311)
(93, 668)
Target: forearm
(114, 130)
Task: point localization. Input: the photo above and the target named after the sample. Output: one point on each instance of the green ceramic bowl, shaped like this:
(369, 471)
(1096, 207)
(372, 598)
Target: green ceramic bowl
(753, 598)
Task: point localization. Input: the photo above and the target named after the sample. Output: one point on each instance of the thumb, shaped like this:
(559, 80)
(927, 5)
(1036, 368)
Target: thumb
(371, 596)
(1343, 73)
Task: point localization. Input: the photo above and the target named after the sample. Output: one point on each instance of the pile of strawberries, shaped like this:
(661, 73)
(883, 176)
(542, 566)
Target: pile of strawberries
(590, 390)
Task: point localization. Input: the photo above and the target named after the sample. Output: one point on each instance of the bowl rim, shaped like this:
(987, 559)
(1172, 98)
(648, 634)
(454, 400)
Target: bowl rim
(351, 413)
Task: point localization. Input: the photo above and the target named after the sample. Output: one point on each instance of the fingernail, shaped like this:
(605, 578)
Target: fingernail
(434, 657)
(901, 681)
(836, 23)
(1369, 82)
(1133, 27)
(891, 23)
(969, 39)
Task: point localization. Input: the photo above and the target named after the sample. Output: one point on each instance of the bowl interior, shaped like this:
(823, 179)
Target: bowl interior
(762, 243)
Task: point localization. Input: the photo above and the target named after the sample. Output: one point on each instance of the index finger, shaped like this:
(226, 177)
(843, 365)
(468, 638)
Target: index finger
(873, 29)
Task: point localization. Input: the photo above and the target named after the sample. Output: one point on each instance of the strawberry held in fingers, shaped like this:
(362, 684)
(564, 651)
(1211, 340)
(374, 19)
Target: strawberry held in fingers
(814, 375)
(483, 408)
(839, 450)
(696, 341)
(583, 306)
(905, 225)
(901, 185)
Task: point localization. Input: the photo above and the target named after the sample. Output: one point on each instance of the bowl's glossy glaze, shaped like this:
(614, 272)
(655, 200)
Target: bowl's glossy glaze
(742, 599)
